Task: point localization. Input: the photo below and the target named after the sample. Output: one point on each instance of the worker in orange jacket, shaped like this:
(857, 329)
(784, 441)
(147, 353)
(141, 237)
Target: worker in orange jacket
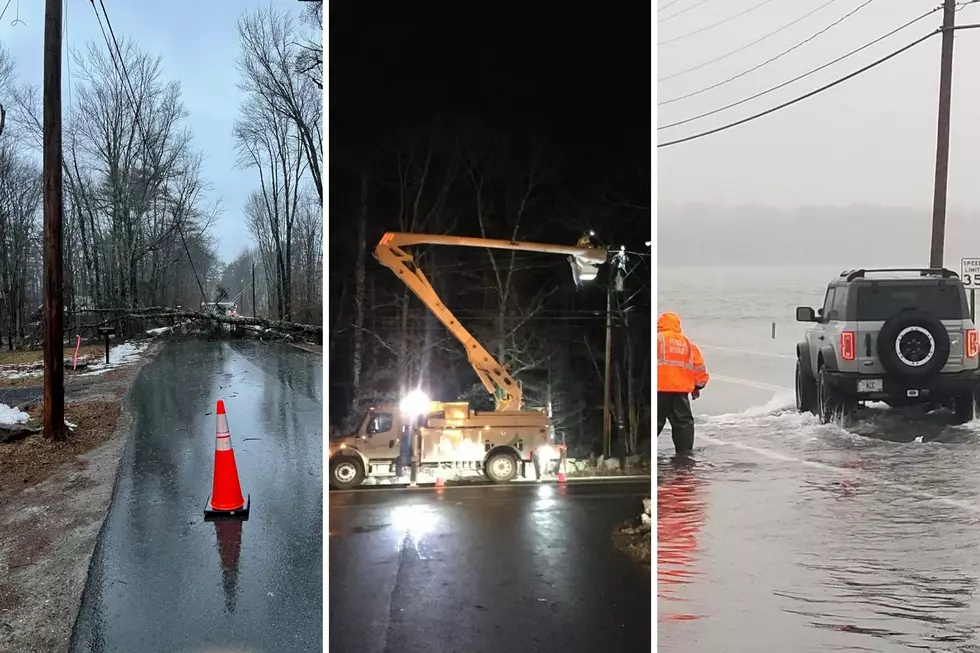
(681, 375)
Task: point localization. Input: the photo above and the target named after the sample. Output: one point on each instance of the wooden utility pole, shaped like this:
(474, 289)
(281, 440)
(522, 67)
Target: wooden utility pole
(253, 289)
(606, 417)
(54, 362)
(942, 140)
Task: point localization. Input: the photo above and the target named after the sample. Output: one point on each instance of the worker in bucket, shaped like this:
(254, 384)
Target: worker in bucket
(681, 375)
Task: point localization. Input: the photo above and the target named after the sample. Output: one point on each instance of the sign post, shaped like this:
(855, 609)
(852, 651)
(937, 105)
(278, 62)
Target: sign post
(970, 275)
(107, 331)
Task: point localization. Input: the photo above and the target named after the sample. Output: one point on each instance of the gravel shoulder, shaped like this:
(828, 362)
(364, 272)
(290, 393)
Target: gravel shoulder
(54, 498)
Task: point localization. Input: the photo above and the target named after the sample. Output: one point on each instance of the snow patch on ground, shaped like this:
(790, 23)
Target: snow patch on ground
(22, 374)
(124, 354)
(10, 415)
(159, 331)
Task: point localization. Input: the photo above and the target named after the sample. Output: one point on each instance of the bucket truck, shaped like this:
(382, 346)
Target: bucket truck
(501, 442)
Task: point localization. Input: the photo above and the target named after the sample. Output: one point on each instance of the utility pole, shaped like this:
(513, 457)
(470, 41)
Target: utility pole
(606, 417)
(54, 361)
(942, 140)
(253, 288)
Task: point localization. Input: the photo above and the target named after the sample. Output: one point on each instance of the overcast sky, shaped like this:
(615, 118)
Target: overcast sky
(870, 140)
(199, 45)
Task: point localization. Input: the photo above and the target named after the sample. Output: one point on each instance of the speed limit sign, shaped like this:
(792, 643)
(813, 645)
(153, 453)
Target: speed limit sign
(970, 272)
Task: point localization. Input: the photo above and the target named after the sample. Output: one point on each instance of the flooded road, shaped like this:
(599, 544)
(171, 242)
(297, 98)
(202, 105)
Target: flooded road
(786, 534)
(162, 579)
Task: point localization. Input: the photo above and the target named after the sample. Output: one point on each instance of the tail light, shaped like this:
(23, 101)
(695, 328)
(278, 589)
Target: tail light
(972, 343)
(847, 350)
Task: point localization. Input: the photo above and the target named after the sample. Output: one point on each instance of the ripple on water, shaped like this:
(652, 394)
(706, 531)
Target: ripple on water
(883, 526)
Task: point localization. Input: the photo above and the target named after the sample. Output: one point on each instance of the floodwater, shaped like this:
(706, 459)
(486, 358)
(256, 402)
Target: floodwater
(163, 579)
(786, 534)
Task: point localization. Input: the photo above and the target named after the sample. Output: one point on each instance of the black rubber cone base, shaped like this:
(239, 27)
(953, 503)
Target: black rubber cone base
(210, 514)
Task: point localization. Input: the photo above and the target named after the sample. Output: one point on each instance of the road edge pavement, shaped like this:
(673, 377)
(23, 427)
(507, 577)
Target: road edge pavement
(56, 578)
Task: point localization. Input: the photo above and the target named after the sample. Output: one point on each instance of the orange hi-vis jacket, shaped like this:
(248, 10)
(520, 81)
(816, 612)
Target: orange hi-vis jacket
(680, 367)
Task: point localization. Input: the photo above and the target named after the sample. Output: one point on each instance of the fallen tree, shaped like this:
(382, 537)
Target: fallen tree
(125, 320)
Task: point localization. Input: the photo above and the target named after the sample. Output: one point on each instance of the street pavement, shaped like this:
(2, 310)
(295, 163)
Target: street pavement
(486, 569)
(163, 579)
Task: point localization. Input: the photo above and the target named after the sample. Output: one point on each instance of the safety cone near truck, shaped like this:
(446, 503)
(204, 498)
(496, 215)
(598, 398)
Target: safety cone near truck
(227, 501)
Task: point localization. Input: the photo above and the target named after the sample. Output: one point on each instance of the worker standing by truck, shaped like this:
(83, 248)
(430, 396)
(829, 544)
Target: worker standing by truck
(681, 375)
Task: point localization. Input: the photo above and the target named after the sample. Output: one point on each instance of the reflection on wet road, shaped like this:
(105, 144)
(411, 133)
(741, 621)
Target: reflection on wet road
(786, 534)
(164, 580)
(486, 569)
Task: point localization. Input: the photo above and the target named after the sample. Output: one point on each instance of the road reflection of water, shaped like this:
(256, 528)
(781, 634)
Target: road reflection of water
(858, 538)
(680, 514)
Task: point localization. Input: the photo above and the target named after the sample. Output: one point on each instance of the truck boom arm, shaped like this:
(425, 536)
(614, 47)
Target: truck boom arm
(491, 373)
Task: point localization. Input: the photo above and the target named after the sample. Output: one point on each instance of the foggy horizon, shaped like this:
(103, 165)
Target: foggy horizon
(869, 142)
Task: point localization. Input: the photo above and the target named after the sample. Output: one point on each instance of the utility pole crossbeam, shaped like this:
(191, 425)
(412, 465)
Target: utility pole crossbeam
(942, 139)
(54, 363)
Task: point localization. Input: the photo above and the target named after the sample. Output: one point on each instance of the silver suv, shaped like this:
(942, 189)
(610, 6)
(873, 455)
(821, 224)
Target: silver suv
(902, 336)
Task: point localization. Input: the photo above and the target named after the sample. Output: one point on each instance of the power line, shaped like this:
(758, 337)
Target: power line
(139, 123)
(666, 6)
(714, 25)
(805, 96)
(682, 11)
(747, 45)
(771, 59)
(798, 77)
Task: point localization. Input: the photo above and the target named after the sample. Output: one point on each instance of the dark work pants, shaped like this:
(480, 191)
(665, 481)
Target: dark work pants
(676, 408)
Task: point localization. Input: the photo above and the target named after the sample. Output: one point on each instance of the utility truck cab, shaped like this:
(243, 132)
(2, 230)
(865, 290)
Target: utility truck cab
(448, 435)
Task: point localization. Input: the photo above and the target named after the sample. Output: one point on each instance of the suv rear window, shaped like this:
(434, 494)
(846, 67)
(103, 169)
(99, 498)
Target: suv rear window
(881, 301)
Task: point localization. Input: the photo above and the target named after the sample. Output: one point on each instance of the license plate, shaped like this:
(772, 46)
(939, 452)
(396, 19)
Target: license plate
(869, 385)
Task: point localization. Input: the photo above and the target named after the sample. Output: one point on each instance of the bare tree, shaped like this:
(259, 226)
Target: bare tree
(271, 65)
(507, 179)
(20, 202)
(266, 142)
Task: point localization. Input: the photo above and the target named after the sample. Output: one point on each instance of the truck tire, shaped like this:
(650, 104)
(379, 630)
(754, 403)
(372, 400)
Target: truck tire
(501, 467)
(345, 472)
(830, 403)
(806, 391)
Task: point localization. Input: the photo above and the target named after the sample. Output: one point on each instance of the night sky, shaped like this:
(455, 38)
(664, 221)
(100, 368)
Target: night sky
(578, 80)
(582, 78)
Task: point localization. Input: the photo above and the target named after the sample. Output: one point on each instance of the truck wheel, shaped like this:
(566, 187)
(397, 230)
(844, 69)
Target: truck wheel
(806, 391)
(345, 472)
(964, 408)
(501, 467)
(830, 403)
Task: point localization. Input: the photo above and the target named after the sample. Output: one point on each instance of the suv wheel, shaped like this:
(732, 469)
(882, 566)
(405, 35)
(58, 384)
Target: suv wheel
(830, 403)
(964, 408)
(806, 391)
(913, 345)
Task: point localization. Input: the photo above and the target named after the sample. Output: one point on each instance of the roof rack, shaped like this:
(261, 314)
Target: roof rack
(851, 275)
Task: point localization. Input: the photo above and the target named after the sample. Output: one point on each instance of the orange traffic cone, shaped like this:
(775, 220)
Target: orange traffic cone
(561, 467)
(440, 481)
(226, 493)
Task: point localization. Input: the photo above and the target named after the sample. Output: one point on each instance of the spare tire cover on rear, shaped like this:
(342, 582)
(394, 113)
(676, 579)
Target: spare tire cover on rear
(913, 345)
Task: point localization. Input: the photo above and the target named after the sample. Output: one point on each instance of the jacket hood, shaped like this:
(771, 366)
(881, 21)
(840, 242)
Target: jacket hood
(669, 322)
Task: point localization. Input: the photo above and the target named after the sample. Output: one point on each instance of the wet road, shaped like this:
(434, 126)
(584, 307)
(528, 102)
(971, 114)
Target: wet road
(162, 579)
(486, 569)
(791, 535)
